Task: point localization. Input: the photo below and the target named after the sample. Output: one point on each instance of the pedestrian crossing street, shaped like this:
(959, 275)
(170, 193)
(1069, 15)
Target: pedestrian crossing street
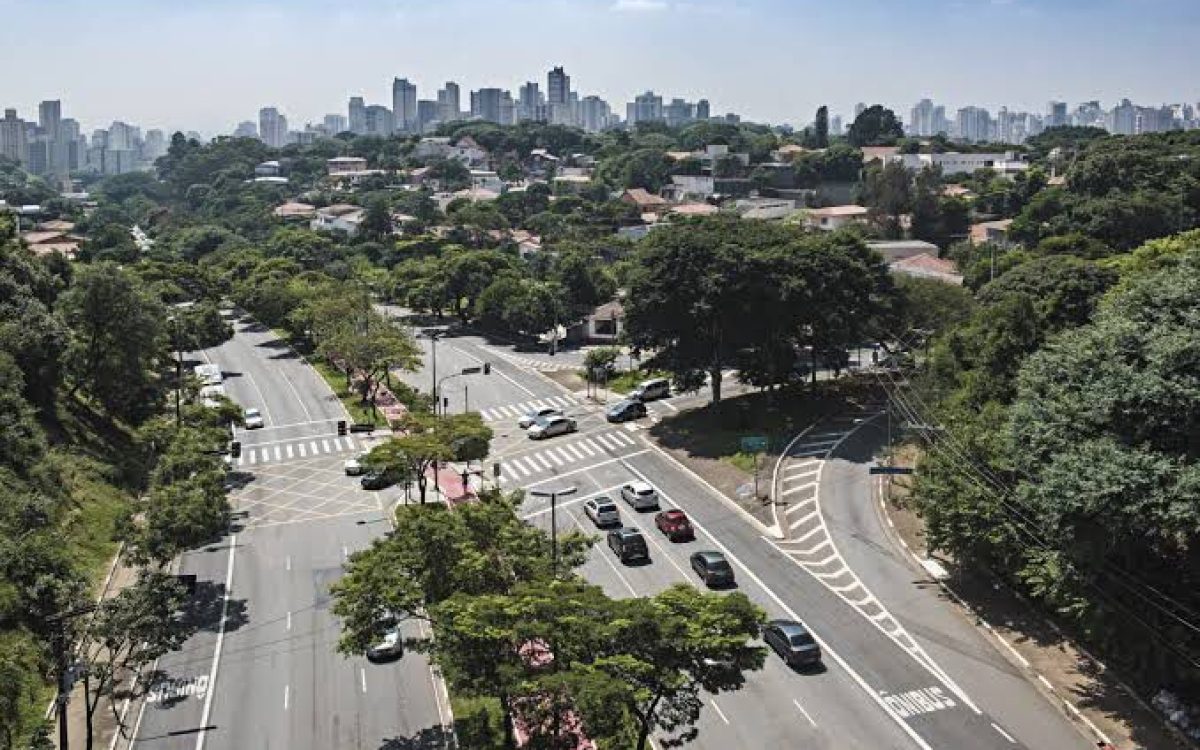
(253, 455)
(561, 453)
(513, 412)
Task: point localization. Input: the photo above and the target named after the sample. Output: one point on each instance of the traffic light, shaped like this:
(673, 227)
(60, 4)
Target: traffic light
(235, 449)
(341, 427)
(487, 368)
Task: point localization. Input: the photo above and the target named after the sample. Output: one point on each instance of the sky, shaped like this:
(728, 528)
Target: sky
(207, 64)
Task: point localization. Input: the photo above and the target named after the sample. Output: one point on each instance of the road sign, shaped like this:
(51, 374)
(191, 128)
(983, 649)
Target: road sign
(754, 444)
(890, 470)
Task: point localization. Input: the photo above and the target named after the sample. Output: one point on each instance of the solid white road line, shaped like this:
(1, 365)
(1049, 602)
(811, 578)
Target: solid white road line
(804, 520)
(289, 621)
(362, 671)
(287, 691)
(287, 562)
(212, 674)
(1003, 733)
(797, 488)
(608, 559)
(717, 708)
(810, 719)
(816, 530)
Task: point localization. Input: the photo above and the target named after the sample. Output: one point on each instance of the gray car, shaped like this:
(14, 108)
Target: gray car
(792, 641)
(551, 426)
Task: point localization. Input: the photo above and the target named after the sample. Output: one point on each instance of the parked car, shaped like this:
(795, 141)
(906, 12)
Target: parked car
(551, 426)
(528, 419)
(355, 465)
(629, 544)
(713, 568)
(640, 496)
(209, 374)
(378, 479)
(792, 641)
(675, 525)
(253, 419)
(625, 410)
(602, 511)
(652, 389)
(391, 647)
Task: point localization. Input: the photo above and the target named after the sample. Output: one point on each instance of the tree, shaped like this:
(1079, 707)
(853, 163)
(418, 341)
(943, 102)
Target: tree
(427, 440)
(377, 221)
(888, 191)
(821, 127)
(363, 343)
(131, 630)
(931, 305)
(602, 359)
(117, 332)
(875, 126)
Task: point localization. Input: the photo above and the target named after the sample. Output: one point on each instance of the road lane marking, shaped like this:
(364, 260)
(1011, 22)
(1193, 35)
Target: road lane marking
(300, 450)
(287, 691)
(251, 456)
(313, 446)
(797, 488)
(363, 674)
(325, 446)
(583, 446)
(588, 442)
(1003, 733)
(717, 708)
(289, 621)
(608, 445)
(801, 521)
(288, 450)
(262, 398)
(813, 550)
(345, 553)
(288, 562)
(545, 464)
(562, 451)
(212, 675)
(854, 675)
(623, 438)
(918, 702)
(597, 465)
(278, 454)
(527, 466)
(299, 400)
(810, 719)
(549, 453)
(574, 451)
(611, 564)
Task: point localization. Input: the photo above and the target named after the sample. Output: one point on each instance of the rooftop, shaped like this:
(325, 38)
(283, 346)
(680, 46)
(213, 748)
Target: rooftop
(839, 211)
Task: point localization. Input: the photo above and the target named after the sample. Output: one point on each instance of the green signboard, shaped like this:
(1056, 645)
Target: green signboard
(754, 444)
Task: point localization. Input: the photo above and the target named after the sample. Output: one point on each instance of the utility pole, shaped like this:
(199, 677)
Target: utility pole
(178, 372)
(554, 495)
(433, 335)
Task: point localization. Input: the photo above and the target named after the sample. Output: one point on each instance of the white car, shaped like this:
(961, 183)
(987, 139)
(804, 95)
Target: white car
(209, 374)
(356, 465)
(211, 395)
(551, 426)
(391, 647)
(640, 496)
(529, 419)
(253, 419)
(602, 511)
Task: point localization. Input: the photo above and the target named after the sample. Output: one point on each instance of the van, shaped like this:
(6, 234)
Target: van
(649, 390)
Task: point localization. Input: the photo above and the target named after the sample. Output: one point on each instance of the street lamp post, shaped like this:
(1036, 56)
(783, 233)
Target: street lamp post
(178, 371)
(554, 495)
(437, 388)
(433, 336)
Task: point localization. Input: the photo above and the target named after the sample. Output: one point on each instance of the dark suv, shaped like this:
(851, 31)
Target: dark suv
(713, 568)
(625, 410)
(629, 544)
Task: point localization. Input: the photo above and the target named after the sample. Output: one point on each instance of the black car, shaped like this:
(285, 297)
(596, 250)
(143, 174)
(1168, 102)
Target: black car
(378, 480)
(625, 410)
(629, 544)
(792, 641)
(713, 568)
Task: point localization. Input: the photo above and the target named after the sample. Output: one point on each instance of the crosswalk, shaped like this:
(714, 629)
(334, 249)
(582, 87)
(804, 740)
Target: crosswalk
(253, 455)
(535, 364)
(513, 412)
(591, 448)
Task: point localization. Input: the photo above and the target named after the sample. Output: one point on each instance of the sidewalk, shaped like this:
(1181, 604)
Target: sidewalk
(451, 488)
(1081, 685)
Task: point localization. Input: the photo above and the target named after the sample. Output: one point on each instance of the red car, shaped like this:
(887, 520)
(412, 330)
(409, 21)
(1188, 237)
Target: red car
(675, 525)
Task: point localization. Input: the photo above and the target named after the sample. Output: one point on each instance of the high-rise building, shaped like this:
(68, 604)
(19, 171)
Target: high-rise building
(427, 114)
(334, 124)
(679, 112)
(703, 110)
(492, 105)
(13, 141)
(1122, 119)
(1056, 114)
(921, 119)
(531, 105)
(272, 127)
(558, 85)
(57, 149)
(404, 105)
(449, 101)
(594, 114)
(835, 125)
(154, 145)
(358, 115)
(245, 129)
(974, 124)
(647, 107)
(379, 120)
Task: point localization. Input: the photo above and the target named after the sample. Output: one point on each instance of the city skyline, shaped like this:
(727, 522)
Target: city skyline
(267, 54)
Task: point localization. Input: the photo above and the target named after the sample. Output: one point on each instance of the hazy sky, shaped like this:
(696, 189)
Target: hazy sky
(207, 64)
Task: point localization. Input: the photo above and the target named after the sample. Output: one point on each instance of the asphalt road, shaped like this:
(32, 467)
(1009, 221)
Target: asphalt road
(263, 671)
(901, 668)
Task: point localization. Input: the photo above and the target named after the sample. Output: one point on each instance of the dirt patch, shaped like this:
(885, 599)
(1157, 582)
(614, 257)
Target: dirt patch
(1075, 675)
(568, 379)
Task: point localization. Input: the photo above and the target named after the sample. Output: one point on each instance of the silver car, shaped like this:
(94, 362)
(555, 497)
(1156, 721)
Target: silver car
(551, 426)
(253, 419)
(602, 511)
(529, 419)
(640, 496)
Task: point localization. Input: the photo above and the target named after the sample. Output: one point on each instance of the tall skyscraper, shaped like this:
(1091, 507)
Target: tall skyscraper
(595, 114)
(379, 120)
(703, 110)
(334, 124)
(921, 118)
(1122, 119)
(404, 105)
(530, 103)
(272, 127)
(449, 101)
(13, 142)
(647, 107)
(358, 115)
(427, 114)
(493, 105)
(57, 150)
(245, 129)
(974, 124)
(1056, 114)
(558, 85)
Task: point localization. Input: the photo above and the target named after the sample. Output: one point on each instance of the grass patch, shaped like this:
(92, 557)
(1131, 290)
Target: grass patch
(479, 723)
(359, 412)
(96, 504)
(745, 461)
(627, 381)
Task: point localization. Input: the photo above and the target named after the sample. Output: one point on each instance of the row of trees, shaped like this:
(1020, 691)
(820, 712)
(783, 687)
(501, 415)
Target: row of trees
(508, 625)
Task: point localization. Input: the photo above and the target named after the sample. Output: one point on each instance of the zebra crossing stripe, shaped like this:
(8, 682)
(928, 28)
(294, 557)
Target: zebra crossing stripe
(278, 454)
(288, 450)
(325, 445)
(604, 441)
(250, 456)
(542, 461)
(593, 445)
(626, 439)
(533, 468)
(313, 447)
(797, 488)
(583, 446)
(521, 468)
(300, 450)
(574, 451)
(565, 456)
